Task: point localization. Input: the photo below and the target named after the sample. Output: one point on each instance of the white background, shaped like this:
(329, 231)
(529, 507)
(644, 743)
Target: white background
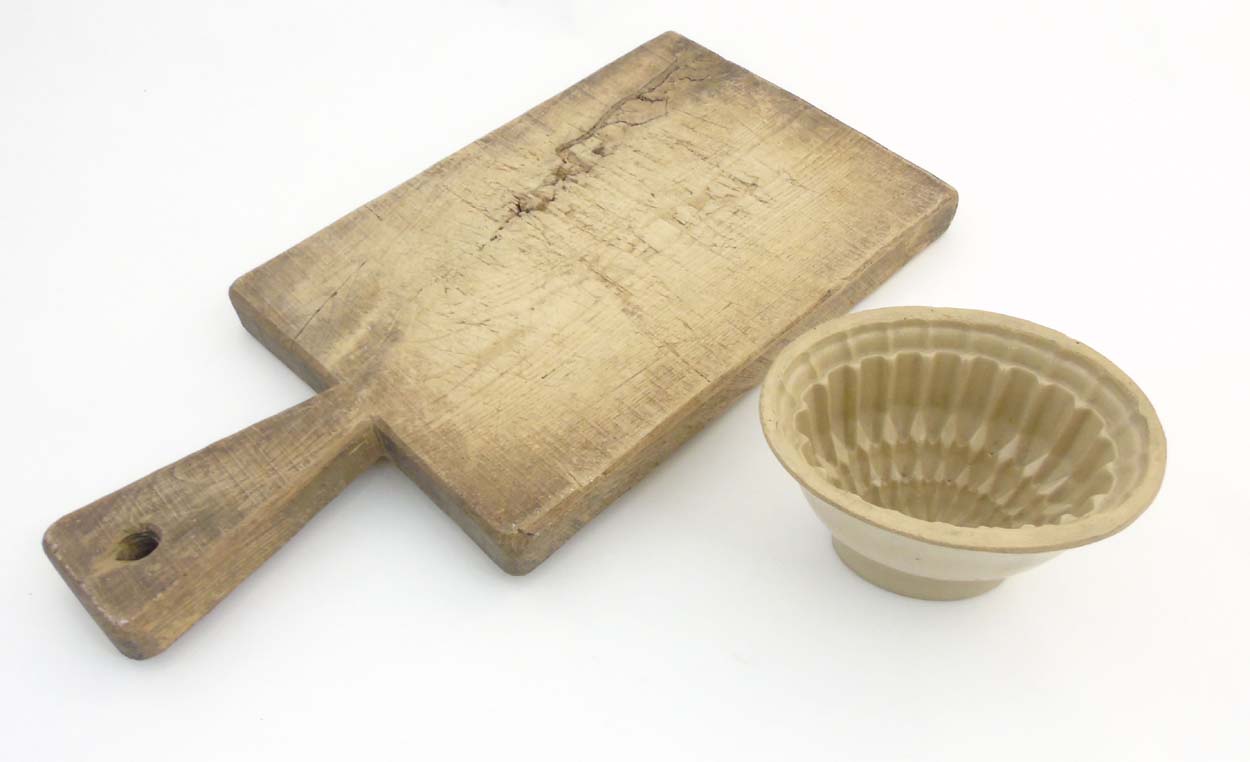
(150, 153)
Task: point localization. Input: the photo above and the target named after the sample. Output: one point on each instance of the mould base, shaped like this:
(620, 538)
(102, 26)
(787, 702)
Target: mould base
(908, 584)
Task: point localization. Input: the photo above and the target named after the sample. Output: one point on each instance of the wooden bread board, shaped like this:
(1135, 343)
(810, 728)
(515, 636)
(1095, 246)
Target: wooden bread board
(525, 328)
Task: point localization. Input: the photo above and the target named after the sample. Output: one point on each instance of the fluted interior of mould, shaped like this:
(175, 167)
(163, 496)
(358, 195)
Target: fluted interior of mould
(967, 425)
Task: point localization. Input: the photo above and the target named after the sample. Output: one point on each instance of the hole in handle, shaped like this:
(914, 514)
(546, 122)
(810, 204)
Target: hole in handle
(137, 545)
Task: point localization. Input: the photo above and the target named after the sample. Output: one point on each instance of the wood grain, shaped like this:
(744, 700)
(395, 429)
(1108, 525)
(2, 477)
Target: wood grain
(529, 326)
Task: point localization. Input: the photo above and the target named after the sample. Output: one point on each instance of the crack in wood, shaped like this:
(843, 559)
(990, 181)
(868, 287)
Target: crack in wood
(328, 299)
(539, 198)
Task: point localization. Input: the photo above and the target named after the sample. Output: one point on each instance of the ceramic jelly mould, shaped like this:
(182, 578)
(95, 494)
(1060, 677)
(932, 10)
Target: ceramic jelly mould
(948, 449)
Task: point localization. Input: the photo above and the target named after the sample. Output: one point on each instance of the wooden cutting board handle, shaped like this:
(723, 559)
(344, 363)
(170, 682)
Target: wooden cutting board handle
(152, 558)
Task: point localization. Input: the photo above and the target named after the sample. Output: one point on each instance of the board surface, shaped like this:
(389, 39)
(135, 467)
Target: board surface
(599, 274)
(526, 328)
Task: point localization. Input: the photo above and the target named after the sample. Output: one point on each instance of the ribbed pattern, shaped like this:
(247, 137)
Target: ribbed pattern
(968, 427)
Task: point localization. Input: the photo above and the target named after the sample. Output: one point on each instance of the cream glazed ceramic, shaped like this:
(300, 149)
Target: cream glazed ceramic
(949, 449)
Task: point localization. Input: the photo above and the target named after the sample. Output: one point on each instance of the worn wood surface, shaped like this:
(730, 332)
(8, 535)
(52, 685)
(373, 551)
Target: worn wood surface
(526, 328)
